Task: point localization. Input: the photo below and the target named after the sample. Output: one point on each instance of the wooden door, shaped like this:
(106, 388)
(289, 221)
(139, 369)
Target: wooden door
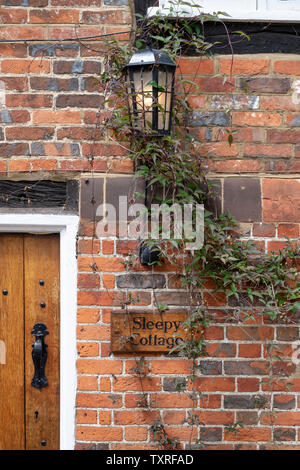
(29, 294)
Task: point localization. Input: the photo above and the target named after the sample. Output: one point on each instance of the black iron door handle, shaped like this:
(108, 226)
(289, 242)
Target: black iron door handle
(39, 355)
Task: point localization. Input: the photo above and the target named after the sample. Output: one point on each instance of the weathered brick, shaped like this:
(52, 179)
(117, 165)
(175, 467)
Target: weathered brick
(79, 101)
(265, 84)
(54, 84)
(95, 433)
(246, 367)
(244, 66)
(141, 281)
(281, 200)
(54, 16)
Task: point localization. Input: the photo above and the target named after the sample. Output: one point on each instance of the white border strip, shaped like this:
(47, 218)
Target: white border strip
(66, 226)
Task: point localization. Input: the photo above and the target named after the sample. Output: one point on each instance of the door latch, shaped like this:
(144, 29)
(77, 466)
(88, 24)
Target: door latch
(39, 356)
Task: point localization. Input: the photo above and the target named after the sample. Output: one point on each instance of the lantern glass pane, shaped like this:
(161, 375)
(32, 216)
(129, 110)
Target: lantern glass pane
(144, 96)
(164, 99)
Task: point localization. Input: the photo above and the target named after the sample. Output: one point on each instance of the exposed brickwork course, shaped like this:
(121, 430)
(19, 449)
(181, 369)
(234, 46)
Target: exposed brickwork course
(50, 104)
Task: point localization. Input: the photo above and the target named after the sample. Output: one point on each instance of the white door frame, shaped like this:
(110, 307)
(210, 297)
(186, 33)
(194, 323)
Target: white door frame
(66, 226)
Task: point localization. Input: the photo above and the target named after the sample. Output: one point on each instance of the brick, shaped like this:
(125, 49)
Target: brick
(278, 103)
(105, 16)
(171, 400)
(75, 165)
(104, 417)
(195, 66)
(281, 200)
(103, 150)
(141, 281)
(87, 383)
(13, 50)
(211, 85)
(214, 333)
(99, 400)
(30, 101)
(95, 433)
(19, 165)
(79, 101)
(287, 333)
(247, 384)
(174, 384)
(247, 417)
(234, 102)
(210, 367)
(288, 230)
(215, 384)
(88, 246)
(250, 333)
(15, 83)
(266, 151)
(122, 166)
(79, 133)
(174, 417)
(53, 16)
(263, 230)
(96, 332)
(236, 402)
(29, 133)
(265, 84)
(88, 349)
(215, 299)
(105, 385)
(208, 119)
(22, 32)
(284, 402)
(215, 417)
(135, 417)
(256, 119)
(99, 366)
(54, 84)
(152, 384)
(236, 166)
(249, 435)
(244, 66)
(210, 401)
(286, 67)
(284, 434)
(282, 418)
(56, 117)
(293, 120)
(246, 367)
(136, 433)
(47, 164)
(283, 167)
(86, 416)
(14, 149)
(25, 66)
(283, 135)
(221, 349)
(77, 66)
(249, 350)
(16, 116)
(177, 366)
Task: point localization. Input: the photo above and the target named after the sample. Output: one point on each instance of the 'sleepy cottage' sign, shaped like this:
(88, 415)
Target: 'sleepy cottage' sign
(140, 331)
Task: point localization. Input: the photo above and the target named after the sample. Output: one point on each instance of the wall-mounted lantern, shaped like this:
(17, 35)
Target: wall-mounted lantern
(150, 75)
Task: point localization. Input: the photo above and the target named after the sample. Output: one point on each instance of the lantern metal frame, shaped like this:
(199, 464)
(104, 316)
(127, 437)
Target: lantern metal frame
(152, 60)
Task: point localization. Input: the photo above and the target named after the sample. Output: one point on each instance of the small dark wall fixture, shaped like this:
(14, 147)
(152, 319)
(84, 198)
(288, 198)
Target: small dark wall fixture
(149, 255)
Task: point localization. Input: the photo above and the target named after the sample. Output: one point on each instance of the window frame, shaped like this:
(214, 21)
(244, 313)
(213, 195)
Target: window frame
(261, 10)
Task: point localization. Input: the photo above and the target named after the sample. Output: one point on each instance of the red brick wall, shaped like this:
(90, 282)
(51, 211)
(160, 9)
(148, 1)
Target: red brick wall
(48, 110)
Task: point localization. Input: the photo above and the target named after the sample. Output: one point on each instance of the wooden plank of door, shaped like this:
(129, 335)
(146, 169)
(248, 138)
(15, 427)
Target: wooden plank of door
(41, 263)
(12, 434)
